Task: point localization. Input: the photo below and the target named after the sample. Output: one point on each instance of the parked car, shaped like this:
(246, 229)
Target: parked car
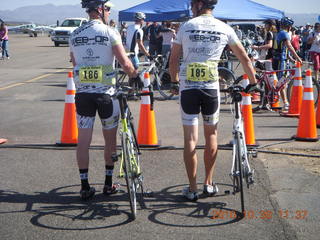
(61, 34)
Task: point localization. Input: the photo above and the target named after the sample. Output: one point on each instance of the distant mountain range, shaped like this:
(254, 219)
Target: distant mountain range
(49, 14)
(46, 14)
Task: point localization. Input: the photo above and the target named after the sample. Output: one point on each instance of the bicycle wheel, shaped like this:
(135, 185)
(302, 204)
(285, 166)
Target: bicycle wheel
(240, 168)
(316, 90)
(226, 77)
(162, 83)
(130, 169)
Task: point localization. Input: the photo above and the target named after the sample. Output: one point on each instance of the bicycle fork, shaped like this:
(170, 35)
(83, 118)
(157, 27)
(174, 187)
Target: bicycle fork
(247, 171)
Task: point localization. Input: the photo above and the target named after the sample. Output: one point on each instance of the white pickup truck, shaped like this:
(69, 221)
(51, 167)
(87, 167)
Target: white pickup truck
(61, 34)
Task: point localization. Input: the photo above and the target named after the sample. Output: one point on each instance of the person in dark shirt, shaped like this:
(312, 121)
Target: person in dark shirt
(155, 43)
(266, 48)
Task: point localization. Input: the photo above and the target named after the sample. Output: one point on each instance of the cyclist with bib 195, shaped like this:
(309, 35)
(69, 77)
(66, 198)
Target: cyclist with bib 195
(201, 41)
(93, 48)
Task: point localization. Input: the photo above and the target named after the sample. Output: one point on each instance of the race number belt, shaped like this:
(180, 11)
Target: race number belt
(103, 74)
(202, 71)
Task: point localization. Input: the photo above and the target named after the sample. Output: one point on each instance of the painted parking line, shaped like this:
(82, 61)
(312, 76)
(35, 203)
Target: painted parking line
(32, 80)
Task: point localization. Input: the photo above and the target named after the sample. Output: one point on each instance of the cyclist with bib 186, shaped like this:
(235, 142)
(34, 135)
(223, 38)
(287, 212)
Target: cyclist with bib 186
(93, 48)
(201, 41)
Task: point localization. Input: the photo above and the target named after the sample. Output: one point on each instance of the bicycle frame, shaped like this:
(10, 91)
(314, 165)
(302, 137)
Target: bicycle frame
(280, 86)
(240, 168)
(238, 129)
(126, 133)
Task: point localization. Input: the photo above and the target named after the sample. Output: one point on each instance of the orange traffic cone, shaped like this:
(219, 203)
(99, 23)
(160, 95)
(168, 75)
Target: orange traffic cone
(3, 140)
(255, 97)
(247, 116)
(69, 133)
(296, 95)
(275, 105)
(147, 131)
(307, 130)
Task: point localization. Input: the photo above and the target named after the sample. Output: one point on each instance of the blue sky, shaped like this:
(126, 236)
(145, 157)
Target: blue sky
(291, 6)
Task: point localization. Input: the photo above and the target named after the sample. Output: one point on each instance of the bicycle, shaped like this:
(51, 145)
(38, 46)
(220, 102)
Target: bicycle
(130, 166)
(270, 92)
(240, 169)
(160, 77)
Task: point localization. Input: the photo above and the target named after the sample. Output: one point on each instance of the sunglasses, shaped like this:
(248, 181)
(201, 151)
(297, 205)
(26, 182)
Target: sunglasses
(107, 9)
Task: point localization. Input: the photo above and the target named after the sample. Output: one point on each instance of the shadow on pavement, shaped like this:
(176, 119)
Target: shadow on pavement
(62, 209)
(168, 207)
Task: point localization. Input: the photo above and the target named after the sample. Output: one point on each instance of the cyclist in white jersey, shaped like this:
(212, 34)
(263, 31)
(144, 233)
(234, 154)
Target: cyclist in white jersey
(93, 48)
(200, 41)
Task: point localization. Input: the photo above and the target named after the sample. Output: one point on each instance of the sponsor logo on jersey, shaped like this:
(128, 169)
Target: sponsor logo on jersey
(204, 36)
(101, 40)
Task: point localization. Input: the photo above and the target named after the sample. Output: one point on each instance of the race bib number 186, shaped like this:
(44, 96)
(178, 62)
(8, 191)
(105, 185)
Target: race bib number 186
(96, 74)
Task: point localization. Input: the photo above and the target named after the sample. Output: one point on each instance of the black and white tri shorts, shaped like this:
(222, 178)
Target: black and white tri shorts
(88, 104)
(194, 101)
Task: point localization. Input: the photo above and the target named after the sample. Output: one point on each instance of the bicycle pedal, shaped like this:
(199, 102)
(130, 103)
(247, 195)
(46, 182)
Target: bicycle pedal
(115, 157)
(148, 193)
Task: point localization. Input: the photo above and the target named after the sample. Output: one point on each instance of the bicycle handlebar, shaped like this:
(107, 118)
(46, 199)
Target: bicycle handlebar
(121, 93)
(233, 89)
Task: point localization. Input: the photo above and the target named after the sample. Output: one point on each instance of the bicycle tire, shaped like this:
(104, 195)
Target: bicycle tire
(240, 166)
(316, 90)
(130, 178)
(162, 82)
(226, 77)
(137, 153)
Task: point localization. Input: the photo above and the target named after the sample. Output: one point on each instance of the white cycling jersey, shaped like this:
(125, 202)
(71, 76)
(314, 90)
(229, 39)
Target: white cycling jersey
(91, 45)
(203, 39)
(134, 32)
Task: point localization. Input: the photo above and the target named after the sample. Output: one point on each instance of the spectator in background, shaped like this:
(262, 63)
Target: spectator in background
(314, 40)
(295, 40)
(281, 54)
(266, 48)
(238, 31)
(123, 33)
(4, 40)
(112, 24)
(305, 35)
(135, 38)
(145, 30)
(168, 37)
(155, 43)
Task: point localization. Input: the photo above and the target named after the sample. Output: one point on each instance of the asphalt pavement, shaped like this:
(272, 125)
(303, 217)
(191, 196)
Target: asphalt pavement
(39, 193)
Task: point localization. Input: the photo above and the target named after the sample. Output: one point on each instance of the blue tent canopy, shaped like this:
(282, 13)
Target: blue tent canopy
(231, 10)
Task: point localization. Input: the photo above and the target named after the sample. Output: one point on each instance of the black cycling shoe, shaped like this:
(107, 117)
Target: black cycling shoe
(86, 194)
(108, 190)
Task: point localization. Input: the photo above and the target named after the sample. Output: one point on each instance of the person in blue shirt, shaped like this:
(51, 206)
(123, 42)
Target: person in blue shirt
(280, 56)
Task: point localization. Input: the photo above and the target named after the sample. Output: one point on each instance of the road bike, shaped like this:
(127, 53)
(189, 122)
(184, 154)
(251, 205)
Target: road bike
(240, 171)
(159, 76)
(130, 165)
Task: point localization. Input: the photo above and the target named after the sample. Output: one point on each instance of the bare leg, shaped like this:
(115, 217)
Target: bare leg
(210, 152)
(189, 154)
(284, 95)
(110, 139)
(84, 140)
